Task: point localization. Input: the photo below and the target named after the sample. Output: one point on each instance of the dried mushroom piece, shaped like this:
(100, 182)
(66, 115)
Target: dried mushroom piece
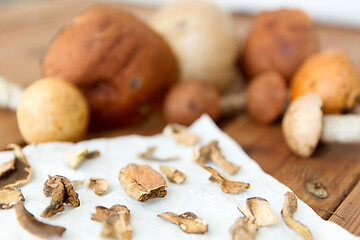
(261, 210)
(149, 155)
(7, 166)
(290, 207)
(212, 151)
(174, 175)
(243, 229)
(21, 173)
(74, 158)
(9, 197)
(227, 185)
(116, 221)
(98, 185)
(61, 191)
(76, 183)
(142, 182)
(181, 134)
(33, 226)
(188, 222)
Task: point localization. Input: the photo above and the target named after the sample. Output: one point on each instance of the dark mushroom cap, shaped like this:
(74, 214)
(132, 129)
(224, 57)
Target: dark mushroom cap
(266, 97)
(188, 100)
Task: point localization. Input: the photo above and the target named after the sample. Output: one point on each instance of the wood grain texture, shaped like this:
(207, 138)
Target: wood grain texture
(347, 215)
(27, 28)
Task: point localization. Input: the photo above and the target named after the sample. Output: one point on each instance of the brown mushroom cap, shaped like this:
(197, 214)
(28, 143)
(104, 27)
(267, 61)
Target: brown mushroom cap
(266, 97)
(188, 100)
(278, 40)
(332, 75)
(123, 68)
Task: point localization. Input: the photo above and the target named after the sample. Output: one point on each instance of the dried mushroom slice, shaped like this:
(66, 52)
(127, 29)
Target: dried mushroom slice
(142, 182)
(74, 158)
(261, 210)
(98, 185)
(174, 175)
(116, 221)
(181, 134)
(227, 185)
(7, 166)
(9, 197)
(33, 226)
(21, 173)
(76, 183)
(290, 207)
(61, 191)
(243, 229)
(212, 151)
(188, 222)
(149, 155)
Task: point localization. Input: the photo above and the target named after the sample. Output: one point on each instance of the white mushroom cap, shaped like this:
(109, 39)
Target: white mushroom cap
(302, 124)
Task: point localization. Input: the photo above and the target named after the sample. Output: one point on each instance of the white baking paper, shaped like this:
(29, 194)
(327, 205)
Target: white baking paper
(197, 194)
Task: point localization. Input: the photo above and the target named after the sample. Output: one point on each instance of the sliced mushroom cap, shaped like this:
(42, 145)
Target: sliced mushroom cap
(302, 124)
(188, 222)
(9, 197)
(21, 173)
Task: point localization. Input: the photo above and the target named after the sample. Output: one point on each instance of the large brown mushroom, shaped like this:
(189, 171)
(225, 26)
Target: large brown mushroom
(278, 40)
(264, 99)
(123, 68)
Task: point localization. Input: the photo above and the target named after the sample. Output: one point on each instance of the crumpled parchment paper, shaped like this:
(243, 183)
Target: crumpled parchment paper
(197, 194)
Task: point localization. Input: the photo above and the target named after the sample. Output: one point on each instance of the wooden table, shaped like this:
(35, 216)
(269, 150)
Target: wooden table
(27, 28)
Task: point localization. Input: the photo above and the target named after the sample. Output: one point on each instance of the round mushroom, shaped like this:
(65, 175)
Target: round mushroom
(123, 67)
(187, 101)
(203, 39)
(278, 40)
(331, 74)
(52, 110)
(302, 124)
(265, 100)
(266, 97)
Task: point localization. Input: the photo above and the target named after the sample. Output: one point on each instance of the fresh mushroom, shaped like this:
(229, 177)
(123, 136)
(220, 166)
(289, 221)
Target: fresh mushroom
(304, 125)
(264, 99)
(10, 94)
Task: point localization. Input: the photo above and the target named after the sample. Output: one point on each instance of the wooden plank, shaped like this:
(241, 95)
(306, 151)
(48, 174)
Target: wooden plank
(336, 167)
(347, 215)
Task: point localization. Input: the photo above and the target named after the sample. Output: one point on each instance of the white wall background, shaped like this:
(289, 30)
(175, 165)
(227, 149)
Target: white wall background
(335, 12)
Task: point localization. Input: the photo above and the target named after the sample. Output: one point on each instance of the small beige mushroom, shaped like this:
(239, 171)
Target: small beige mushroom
(149, 155)
(304, 125)
(116, 221)
(261, 210)
(142, 182)
(33, 226)
(20, 174)
(181, 134)
(188, 222)
(174, 175)
(74, 158)
(10, 94)
(9, 197)
(98, 185)
(243, 229)
(212, 151)
(290, 207)
(227, 185)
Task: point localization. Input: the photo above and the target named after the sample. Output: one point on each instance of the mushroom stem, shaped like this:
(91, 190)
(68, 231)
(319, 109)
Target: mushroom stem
(10, 94)
(341, 128)
(232, 103)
